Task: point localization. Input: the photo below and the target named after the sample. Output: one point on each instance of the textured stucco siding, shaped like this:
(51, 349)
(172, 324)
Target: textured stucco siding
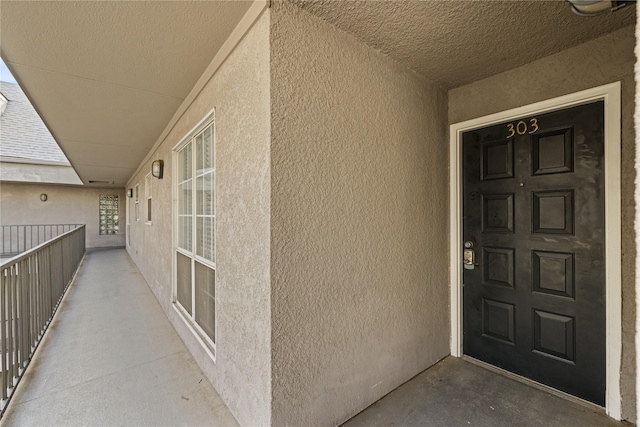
(239, 92)
(601, 61)
(21, 204)
(38, 173)
(637, 213)
(359, 216)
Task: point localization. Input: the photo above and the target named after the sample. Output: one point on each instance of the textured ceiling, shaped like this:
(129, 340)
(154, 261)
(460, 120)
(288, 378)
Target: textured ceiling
(107, 76)
(456, 42)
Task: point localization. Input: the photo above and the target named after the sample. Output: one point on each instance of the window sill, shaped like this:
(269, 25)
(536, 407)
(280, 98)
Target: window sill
(210, 349)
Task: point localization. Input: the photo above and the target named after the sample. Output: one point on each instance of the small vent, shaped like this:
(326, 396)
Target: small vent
(101, 182)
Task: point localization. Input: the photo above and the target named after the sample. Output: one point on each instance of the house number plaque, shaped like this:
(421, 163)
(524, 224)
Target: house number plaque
(522, 127)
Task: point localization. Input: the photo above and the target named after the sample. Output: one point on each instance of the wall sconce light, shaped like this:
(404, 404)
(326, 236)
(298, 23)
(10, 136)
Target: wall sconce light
(157, 168)
(595, 7)
(43, 197)
(130, 192)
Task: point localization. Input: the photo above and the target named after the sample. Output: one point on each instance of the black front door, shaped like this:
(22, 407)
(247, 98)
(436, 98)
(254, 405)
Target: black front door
(534, 292)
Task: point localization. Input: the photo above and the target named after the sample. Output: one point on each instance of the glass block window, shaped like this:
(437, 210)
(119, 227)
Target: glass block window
(109, 219)
(195, 230)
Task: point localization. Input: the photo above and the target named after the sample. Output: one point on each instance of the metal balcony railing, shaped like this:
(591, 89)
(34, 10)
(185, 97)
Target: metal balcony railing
(31, 288)
(15, 239)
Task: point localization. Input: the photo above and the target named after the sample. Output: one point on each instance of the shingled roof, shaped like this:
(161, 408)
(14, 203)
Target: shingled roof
(23, 135)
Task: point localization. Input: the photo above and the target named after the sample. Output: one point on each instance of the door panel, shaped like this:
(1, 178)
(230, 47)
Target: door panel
(533, 207)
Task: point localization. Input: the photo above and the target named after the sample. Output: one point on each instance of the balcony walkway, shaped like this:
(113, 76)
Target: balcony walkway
(111, 357)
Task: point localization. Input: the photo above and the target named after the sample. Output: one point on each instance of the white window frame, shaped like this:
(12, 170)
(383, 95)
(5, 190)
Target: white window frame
(148, 187)
(128, 218)
(136, 193)
(205, 341)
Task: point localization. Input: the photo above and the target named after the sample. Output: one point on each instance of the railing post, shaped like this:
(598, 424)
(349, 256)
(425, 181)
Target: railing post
(21, 315)
(3, 331)
(47, 279)
(9, 343)
(25, 315)
(19, 332)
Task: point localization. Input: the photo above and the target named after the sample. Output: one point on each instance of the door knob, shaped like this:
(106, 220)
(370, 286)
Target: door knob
(468, 256)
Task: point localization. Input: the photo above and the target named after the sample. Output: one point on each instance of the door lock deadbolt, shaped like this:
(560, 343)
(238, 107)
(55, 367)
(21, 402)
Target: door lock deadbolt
(468, 256)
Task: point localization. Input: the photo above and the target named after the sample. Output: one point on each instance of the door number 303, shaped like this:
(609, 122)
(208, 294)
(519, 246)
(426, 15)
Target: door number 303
(523, 127)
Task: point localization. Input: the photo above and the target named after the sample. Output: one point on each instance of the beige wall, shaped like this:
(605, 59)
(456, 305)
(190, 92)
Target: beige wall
(637, 212)
(239, 92)
(605, 60)
(38, 173)
(21, 204)
(359, 222)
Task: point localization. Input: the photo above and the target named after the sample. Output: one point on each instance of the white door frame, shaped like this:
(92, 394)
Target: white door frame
(610, 93)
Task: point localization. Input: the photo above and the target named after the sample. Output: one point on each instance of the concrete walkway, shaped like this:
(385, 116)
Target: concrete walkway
(111, 358)
(455, 393)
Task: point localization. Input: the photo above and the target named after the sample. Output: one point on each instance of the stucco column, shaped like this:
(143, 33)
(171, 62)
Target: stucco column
(637, 215)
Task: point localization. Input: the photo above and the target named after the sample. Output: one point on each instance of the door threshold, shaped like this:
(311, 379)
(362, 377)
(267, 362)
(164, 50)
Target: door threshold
(535, 384)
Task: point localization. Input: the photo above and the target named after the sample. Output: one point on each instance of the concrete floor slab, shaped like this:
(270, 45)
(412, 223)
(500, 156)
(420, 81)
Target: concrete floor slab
(456, 392)
(111, 357)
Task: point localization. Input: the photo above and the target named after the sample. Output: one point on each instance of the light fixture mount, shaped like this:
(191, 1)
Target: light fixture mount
(596, 7)
(157, 168)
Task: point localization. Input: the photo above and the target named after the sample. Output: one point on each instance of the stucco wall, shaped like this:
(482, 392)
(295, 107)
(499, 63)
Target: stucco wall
(38, 173)
(637, 212)
(21, 204)
(604, 60)
(359, 222)
(239, 92)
